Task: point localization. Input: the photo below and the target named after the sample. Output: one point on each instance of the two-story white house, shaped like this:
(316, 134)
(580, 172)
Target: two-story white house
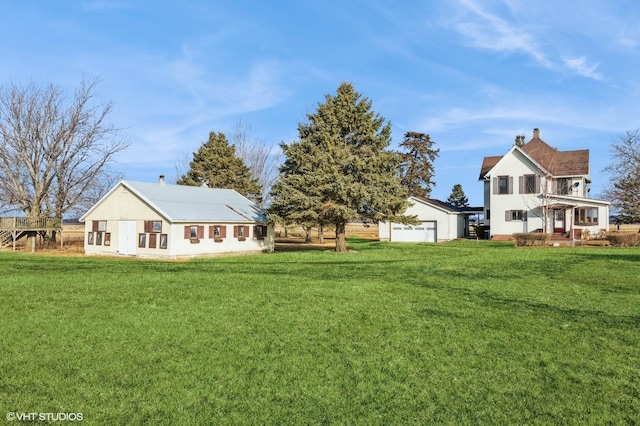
(537, 188)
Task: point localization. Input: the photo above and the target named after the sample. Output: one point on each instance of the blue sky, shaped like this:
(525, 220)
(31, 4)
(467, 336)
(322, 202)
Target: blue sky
(473, 74)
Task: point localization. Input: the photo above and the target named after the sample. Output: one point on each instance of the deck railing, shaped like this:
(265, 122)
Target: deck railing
(30, 223)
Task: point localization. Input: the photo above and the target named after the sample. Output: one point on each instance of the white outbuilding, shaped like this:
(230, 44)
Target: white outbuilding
(174, 221)
(439, 221)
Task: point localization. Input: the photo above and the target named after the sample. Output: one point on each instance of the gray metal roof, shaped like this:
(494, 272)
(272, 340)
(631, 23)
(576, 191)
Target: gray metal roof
(179, 203)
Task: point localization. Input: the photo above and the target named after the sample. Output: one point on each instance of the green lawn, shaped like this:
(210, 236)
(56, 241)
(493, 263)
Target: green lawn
(451, 333)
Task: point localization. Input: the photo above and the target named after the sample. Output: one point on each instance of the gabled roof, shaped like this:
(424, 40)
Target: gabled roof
(487, 164)
(557, 163)
(180, 203)
(441, 205)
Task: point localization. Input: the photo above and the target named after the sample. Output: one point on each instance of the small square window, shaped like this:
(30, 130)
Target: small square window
(193, 231)
(157, 226)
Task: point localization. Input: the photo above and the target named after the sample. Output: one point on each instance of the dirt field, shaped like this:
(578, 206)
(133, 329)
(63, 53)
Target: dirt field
(633, 227)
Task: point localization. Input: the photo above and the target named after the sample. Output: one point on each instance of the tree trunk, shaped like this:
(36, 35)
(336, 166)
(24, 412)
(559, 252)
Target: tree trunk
(307, 234)
(321, 234)
(341, 241)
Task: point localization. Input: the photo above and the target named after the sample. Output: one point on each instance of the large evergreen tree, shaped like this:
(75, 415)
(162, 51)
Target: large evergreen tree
(215, 164)
(340, 169)
(416, 170)
(457, 197)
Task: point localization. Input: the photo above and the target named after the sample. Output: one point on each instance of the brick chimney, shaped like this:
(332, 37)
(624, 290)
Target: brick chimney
(536, 133)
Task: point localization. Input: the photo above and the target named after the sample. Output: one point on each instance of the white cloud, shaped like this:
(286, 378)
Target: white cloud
(489, 31)
(580, 66)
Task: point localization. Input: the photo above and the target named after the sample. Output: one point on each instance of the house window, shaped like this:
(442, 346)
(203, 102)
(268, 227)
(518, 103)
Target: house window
(152, 226)
(163, 241)
(107, 238)
(218, 232)
(260, 232)
(142, 240)
(503, 185)
(90, 238)
(240, 232)
(98, 238)
(153, 238)
(528, 184)
(563, 186)
(193, 232)
(586, 216)
(99, 225)
(515, 216)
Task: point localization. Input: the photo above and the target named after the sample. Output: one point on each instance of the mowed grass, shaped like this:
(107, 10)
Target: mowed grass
(452, 333)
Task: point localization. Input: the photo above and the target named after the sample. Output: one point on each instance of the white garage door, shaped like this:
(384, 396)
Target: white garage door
(425, 232)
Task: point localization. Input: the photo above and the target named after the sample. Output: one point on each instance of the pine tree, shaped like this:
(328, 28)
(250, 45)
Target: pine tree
(416, 170)
(457, 197)
(340, 170)
(215, 164)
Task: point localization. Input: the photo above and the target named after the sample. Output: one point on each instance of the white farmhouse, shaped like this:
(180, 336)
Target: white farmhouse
(174, 221)
(537, 188)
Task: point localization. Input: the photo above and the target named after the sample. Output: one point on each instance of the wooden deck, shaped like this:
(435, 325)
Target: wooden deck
(14, 228)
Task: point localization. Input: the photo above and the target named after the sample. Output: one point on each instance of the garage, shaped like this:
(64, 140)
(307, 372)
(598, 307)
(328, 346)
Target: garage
(425, 232)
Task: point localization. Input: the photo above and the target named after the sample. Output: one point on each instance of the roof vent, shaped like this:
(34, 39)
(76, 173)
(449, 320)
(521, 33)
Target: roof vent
(161, 179)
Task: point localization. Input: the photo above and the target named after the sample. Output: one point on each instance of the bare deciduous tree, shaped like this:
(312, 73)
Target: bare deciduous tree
(624, 171)
(258, 156)
(54, 152)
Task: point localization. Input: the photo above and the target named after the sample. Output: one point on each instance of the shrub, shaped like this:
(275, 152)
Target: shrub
(624, 240)
(531, 239)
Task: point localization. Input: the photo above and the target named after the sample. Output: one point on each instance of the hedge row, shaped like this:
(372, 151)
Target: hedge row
(624, 240)
(531, 239)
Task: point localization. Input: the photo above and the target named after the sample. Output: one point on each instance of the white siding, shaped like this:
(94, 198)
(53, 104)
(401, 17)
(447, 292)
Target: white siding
(122, 211)
(448, 225)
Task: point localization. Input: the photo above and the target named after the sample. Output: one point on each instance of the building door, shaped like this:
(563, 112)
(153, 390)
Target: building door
(127, 241)
(425, 232)
(558, 221)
